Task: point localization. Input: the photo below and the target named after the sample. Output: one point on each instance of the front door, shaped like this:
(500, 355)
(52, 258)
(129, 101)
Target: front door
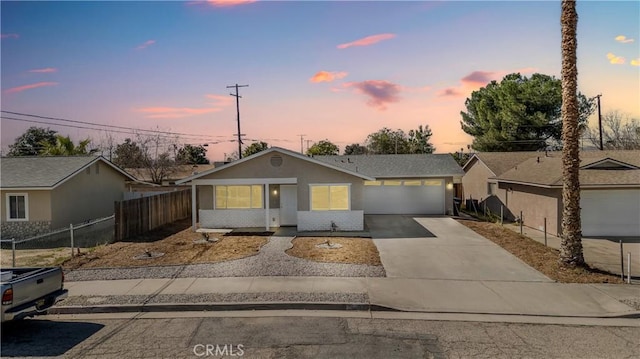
(288, 205)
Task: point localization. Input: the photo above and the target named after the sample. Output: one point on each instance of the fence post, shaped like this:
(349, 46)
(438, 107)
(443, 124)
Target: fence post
(628, 267)
(521, 221)
(13, 252)
(71, 235)
(621, 261)
(545, 231)
(501, 214)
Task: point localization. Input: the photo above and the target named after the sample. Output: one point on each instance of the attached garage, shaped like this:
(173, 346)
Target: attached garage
(610, 212)
(411, 196)
(412, 184)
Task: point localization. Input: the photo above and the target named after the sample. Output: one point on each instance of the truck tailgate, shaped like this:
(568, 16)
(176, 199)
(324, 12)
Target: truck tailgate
(41, 282)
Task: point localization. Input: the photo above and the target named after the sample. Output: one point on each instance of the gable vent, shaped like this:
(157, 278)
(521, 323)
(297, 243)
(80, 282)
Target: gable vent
(276, 160)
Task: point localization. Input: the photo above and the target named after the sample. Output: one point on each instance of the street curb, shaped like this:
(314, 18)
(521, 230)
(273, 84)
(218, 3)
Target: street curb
(204, 307)
(220, 307)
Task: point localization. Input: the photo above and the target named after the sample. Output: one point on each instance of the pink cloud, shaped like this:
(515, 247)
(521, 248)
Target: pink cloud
(29, 87)
(222, 3)
(623, 39)
(145, 44)
(478, 79)
(220, 100)
(615, 60)
(175, 112)
(380, 92)
(450, 92)
(9, 36)
(327, 76)
(44, 70)
(366, 41)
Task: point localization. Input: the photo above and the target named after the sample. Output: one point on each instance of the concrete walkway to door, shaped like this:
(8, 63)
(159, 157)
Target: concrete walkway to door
(455, 253)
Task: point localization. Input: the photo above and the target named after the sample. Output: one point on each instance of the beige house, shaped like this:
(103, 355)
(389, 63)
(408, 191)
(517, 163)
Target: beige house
(609, 192)
(41, 194)
(479, 182)
(278, 187)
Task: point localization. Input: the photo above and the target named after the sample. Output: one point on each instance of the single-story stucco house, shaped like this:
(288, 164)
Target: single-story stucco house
(45, 193)
(278, 187)
(609, 183)
(479, 181)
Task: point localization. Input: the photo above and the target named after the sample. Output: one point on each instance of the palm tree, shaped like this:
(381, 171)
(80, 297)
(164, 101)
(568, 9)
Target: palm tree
(64, 146)
(571, 246)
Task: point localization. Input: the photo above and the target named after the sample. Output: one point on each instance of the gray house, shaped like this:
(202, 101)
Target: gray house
(278, 187)
(41, 194)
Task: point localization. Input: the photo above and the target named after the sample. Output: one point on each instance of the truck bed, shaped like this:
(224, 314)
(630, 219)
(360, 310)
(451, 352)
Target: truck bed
(34, 290)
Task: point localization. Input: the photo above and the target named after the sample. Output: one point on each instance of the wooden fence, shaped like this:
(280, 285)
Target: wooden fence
(138, 216)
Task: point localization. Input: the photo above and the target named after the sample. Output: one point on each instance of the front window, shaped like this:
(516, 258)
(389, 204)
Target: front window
(239, 197)
(17, 209)
(329, 197)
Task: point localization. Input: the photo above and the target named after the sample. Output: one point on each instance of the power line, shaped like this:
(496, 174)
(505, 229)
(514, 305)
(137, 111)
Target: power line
(110, 126)
(131, 132)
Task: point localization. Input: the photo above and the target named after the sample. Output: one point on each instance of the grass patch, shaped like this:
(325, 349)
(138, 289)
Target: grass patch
(537, 255)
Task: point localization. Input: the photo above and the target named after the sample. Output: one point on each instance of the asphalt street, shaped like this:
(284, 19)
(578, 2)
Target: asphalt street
(179, 335)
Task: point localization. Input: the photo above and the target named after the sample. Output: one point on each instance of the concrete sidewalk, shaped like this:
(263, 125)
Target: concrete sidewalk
(598, 253)
(413, 295)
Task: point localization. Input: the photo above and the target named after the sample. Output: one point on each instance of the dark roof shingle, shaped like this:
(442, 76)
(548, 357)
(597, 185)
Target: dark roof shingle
(398, 166)
(41, 171)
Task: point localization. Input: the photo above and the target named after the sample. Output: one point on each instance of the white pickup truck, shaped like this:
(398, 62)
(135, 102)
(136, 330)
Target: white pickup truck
(30, 291)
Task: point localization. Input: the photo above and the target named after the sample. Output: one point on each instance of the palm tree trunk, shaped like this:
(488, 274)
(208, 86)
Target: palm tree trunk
(571, 247)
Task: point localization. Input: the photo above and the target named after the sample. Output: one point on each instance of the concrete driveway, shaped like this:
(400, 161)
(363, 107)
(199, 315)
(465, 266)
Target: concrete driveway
(395, 226)
(455, 253)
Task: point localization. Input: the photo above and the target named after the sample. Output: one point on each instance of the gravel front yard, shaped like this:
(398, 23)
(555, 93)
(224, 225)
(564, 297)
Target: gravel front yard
(271, 260)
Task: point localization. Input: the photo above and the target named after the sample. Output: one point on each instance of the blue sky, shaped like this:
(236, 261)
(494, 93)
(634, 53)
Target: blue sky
(328, 70)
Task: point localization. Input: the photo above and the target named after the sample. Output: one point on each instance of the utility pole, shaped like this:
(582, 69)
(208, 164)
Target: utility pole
(237, 96)
(308, 141)
(600, 121)
(302, 143)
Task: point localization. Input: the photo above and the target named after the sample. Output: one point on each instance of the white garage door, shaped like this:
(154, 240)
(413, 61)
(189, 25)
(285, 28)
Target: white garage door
(404, 197)
(610, 212)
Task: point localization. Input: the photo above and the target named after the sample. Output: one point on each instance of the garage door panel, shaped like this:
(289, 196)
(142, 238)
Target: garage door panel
(610, 212)
(404, 200)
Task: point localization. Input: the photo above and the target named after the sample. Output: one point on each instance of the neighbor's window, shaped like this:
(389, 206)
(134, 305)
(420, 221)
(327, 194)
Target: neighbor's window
(372, 183)
(238, 197)
(392, 183)
(17, 207)
(433, 182)
(412, 183)
(329, 197)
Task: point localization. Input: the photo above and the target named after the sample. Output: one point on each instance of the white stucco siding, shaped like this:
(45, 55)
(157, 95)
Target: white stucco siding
(238, 218)
(321, 220)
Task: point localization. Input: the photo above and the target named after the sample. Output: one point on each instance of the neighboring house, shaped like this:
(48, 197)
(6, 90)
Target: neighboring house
(323, 193)
(609, 191)
(41, 194)
(478, 183)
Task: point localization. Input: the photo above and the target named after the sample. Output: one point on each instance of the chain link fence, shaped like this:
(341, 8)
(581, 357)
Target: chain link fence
(57, 245)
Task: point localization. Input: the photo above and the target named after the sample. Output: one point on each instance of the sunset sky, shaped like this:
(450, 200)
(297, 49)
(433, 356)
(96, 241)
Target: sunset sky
(326, 70)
